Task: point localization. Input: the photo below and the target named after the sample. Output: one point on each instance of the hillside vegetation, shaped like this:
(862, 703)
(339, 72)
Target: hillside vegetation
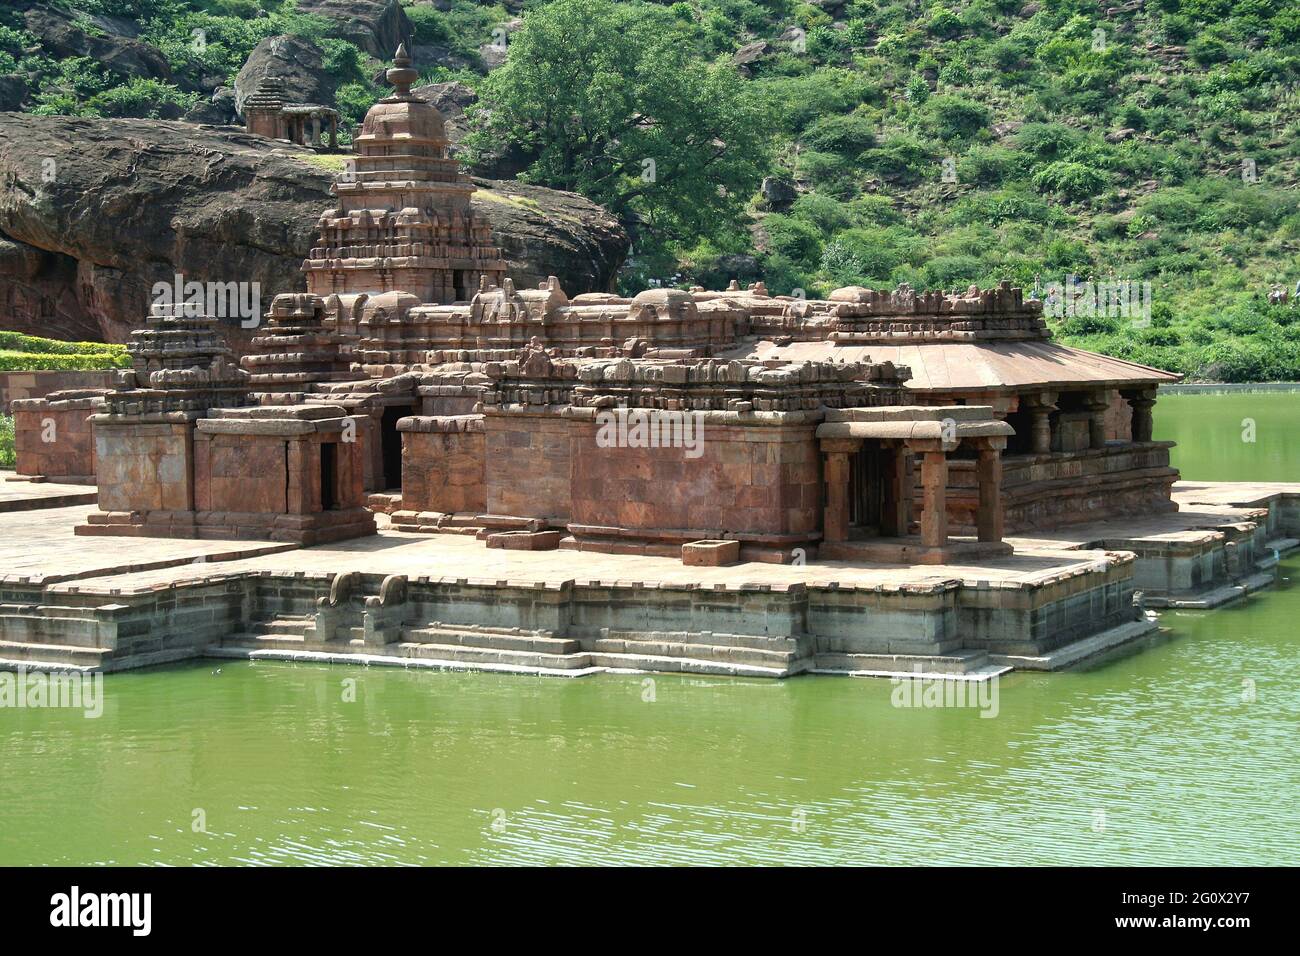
(934, 142)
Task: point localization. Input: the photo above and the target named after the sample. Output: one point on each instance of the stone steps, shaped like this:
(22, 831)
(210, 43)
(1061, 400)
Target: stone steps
(48, 625)
(716, 653)
(55, 655)
(961, 663)
(469, 654)
(491, 640)
(691, 665)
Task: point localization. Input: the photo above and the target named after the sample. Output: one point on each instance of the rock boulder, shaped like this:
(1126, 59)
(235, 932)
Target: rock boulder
(377, 26)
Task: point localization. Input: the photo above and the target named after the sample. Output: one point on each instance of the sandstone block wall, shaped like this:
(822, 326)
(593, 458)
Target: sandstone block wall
(241, 473)
(145, 466)
(69, 455)
(529, 459)
(757, 481)
(443, 464)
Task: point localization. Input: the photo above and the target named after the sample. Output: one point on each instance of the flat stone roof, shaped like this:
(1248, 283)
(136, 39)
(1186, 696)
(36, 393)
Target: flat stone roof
(973, 366)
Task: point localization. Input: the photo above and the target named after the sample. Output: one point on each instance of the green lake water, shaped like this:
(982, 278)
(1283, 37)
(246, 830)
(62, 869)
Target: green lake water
(1185, 753)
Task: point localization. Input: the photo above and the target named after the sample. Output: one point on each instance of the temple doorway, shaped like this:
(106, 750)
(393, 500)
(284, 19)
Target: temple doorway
(328, 476)
(390, 441)
(866, 490)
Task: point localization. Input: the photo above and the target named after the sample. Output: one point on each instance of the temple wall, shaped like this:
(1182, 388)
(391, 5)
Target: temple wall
(528, 466)
(145, 466)
(70, 455)
(240, 473)
(751, 481)
(443, 464)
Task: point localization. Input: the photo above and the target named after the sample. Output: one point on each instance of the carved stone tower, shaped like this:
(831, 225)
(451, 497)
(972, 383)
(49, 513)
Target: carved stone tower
(403, 221)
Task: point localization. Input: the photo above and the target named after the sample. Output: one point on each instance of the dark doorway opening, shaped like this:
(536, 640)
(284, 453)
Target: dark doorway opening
(329, 467)
(391, 444)
(866, 491)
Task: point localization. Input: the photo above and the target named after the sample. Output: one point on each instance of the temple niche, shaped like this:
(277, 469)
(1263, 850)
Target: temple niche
(890, 425)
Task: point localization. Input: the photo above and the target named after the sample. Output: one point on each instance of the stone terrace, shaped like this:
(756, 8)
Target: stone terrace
(447, 601)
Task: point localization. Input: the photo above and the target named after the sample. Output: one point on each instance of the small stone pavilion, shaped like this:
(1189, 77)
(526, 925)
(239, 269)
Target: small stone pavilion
(872, 426)
(266, 113)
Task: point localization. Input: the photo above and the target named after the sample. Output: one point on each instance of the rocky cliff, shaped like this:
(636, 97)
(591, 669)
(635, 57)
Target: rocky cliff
(94, 212)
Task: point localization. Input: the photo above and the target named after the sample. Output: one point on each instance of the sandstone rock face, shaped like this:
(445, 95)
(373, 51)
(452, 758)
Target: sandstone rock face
(134, 202)
(377, 26)
(451, 100)
(113, 43)
(13, 92)
(297, 61)
(546, 232)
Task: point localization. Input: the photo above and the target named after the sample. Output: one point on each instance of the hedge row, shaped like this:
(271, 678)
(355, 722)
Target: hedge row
(18, 342)
(45, 362)
(7, 458)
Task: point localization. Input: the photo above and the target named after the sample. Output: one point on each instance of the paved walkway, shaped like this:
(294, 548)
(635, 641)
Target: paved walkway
(38, 546)
(18, 495)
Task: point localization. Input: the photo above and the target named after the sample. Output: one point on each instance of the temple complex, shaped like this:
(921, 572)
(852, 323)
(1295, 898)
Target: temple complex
(897, 470)
(894, 426)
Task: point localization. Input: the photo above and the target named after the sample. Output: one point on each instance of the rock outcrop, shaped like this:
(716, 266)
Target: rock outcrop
(124, 204)
(110, 41)
(377, 26)
(297, 61)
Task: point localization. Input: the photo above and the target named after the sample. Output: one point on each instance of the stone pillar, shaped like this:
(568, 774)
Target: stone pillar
(315, 129)
(896, 513)
(1097, 406)
(334, 132)
(1041, 408)
(988, 472)
(835, 522)
(934, 492)
(1143, 424)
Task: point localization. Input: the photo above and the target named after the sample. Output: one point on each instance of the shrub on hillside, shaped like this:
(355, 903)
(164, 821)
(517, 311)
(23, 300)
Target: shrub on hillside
(1073, 181)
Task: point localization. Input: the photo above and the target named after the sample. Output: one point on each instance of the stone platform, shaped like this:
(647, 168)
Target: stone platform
(448, 601)
(19, 494)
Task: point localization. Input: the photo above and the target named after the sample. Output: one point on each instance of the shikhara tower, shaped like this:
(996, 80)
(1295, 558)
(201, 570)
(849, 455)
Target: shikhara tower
(403, 221)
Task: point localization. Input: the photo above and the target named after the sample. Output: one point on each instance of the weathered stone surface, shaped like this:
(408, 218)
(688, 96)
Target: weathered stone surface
(13, 92)
(134, 202)
(111, 44)
(296, 60)
(377, 26)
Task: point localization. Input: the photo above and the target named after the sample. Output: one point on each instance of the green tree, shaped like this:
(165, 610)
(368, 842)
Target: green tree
(613, 103)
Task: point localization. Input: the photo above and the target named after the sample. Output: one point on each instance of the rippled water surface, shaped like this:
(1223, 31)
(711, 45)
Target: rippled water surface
(1158, 757)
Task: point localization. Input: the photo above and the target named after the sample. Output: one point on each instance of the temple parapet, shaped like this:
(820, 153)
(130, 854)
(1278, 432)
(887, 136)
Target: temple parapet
(854, 315)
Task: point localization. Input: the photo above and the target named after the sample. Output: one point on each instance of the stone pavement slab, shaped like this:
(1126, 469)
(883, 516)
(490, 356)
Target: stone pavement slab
(39, 547)
(19, 495)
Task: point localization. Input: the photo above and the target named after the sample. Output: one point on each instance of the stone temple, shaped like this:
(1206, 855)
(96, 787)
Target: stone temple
(531, 480)
(876, 425)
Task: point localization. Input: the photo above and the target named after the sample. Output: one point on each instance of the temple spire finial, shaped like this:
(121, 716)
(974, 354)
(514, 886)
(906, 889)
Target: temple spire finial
(401, 75)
